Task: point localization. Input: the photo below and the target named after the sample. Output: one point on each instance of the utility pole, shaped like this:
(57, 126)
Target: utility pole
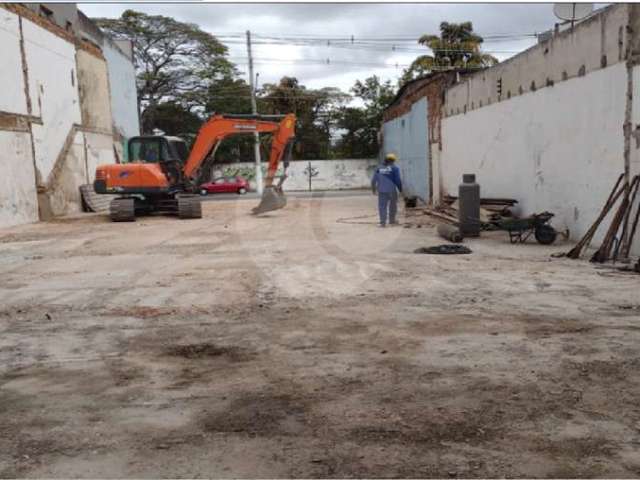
(254, 110)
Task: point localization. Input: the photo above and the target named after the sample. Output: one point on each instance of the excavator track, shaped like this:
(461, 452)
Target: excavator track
(189, 206)
(122, 210)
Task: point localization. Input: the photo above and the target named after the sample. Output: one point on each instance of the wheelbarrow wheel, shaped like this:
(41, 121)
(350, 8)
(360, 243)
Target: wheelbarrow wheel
(545, 234)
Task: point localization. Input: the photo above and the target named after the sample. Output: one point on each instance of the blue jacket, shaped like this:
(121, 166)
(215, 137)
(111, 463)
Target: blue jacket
(386, 179)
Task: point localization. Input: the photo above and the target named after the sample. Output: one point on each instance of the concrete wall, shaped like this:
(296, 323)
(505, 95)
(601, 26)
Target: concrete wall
(122, 84)
(55, 116)
(12, 99)
(53, 90)
(93, 86)
(407, 137)
(595, 43)
(327, 174)
(18, 200)
(65, 15)
(558, 149)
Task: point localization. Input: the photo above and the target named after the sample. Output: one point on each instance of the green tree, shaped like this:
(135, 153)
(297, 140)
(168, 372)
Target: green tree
(229, 95)
(172, 118)
(457, 46)
(315, 111)
(361, 125)
(175, 61)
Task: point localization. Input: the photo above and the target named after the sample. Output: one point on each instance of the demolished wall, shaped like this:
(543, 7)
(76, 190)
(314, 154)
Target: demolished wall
(56, 122)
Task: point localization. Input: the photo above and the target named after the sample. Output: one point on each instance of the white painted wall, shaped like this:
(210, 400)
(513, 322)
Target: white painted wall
(122, 83)
(18, 200)
(54, 95)
(593, 40)
(12, 96)
(331, 174)
(99, 151)
(558, 149)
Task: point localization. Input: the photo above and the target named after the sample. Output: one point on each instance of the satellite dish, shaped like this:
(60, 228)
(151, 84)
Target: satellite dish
(571, 12)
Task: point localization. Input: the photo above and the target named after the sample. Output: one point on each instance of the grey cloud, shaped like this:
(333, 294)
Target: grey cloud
(367, 20)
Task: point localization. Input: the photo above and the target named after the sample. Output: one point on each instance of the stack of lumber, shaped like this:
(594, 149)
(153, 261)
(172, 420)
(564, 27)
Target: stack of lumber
(494, 205)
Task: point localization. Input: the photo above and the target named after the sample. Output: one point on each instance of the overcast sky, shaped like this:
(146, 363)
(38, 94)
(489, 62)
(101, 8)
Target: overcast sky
(365, 22)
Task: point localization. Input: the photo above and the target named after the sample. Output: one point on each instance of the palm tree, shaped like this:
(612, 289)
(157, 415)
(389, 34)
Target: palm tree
(457, 47)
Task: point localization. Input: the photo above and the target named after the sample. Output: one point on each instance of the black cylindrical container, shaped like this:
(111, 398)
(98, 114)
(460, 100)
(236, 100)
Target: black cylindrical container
(469, 208)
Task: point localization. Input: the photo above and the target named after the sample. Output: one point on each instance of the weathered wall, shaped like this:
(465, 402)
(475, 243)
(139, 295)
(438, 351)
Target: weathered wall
(54, 90)
(99, 150)
(63, 197)
(595, 43)
(51, 63)
(407, 136)
(18, 201)
(93, 86)
(558, 149)
(122, 84)
(327, 174)
(419, 146)
(12, 99)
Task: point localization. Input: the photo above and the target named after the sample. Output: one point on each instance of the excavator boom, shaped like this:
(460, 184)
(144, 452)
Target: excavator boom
(221, 126)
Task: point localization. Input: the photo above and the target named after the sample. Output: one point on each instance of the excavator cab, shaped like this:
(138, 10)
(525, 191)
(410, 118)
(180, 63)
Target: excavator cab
(169, 152)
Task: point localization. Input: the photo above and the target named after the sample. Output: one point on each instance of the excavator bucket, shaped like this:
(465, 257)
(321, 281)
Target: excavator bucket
(273, 198)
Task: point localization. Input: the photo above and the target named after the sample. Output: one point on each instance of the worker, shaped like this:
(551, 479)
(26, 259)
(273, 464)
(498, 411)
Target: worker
(386, 183)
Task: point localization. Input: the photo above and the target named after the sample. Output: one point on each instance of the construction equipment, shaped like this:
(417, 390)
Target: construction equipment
(162, 176)
(520, 229)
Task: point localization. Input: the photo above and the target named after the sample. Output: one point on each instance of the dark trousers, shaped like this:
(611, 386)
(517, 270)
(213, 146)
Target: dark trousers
(387, 201)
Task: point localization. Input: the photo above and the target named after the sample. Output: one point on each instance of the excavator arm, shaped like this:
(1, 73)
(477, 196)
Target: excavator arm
(218, 127)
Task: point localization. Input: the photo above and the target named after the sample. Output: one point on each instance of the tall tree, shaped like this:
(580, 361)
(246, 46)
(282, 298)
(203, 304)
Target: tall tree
(361, 125)
(172, 118)
(175, 61)
(314, 109)
(457, 46)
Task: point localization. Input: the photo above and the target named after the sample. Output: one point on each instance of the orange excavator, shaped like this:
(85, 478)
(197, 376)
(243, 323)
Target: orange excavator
(162, 176)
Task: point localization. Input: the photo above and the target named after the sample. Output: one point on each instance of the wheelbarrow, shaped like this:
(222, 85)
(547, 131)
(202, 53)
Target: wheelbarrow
(520, 229)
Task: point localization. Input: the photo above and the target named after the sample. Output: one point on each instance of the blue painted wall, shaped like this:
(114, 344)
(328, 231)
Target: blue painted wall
(407, 136)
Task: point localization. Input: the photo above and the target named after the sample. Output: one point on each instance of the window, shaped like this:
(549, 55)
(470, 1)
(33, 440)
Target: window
(45, 12)
(145, 150)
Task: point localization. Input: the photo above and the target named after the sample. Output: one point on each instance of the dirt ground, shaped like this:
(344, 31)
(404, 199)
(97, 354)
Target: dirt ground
(309, 343)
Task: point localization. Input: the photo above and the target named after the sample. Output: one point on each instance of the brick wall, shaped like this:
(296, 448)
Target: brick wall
(431, 87)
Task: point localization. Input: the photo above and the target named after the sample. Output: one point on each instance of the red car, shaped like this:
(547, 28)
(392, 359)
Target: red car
(225, 185)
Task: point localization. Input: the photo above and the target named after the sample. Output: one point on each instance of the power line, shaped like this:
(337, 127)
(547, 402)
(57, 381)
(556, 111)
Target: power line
(353, 37)
(376, 48)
